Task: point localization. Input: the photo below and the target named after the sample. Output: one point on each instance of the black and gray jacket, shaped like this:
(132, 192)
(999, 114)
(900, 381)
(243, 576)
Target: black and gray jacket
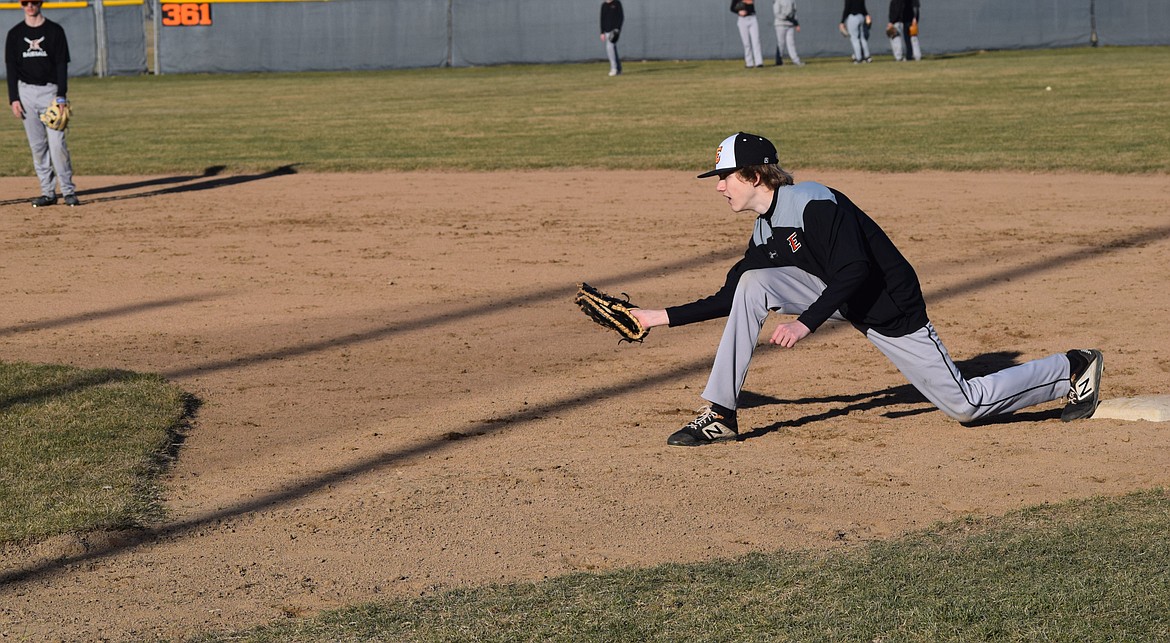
(820, 231)
(784, 13)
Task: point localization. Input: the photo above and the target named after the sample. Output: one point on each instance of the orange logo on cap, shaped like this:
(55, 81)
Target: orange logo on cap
(718, 151)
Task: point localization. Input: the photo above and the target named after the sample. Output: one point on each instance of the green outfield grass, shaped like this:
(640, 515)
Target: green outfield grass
(1108, 110)
(80, 449)
(1093, 570)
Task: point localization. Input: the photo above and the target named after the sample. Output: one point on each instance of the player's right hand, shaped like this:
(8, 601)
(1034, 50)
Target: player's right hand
(17, 109)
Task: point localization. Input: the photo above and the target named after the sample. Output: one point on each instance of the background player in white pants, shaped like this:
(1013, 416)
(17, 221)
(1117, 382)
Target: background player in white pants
(815, 254)
(749, 32)
(36, 57)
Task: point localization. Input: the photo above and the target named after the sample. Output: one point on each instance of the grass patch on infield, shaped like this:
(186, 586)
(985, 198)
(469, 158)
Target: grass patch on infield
(1105, 112)
(79, 449)
(1086, 570)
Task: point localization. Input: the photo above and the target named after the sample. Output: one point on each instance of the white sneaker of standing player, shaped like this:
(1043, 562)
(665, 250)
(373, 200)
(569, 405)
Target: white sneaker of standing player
(710, 426)
(1085, 393)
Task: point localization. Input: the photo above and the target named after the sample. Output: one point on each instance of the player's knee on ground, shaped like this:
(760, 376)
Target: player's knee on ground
(964, 413)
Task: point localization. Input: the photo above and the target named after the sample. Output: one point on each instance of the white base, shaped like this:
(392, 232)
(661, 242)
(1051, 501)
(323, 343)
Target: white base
(1155, 408)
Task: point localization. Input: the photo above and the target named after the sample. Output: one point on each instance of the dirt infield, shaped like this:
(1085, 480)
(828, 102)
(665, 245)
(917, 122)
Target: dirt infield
(398, 395)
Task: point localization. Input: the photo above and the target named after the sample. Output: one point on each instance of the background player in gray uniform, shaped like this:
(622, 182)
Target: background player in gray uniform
(897, 29)
(855, 23)
(36, 56)
(815, 254)
(612, 19)
(784, 12)
(910, 15)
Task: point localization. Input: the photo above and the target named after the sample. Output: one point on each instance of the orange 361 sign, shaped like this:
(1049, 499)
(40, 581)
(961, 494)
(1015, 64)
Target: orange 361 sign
(186, 14)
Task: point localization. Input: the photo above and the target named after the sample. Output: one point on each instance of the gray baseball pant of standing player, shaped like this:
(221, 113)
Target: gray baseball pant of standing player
(855, 25)
(749, 34)
(920, 356)
(615, 63)
(786, 35)
(897, 44)
(48, 145)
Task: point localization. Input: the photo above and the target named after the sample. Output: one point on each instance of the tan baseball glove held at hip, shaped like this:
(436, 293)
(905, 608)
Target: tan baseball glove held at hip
(57, 116)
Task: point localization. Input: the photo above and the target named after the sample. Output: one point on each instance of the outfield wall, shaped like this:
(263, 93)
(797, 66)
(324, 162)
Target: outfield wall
(385, 34)
(307, 36)
(321, 35)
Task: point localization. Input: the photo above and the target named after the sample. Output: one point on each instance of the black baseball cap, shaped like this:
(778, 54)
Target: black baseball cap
(741, 150)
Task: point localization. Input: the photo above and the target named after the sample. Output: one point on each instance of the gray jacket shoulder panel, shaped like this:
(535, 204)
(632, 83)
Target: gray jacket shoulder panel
(789, 212)
(792, 200)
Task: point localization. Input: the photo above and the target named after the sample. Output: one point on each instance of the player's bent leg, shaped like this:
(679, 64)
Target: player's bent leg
(784, 289)
(925, 362)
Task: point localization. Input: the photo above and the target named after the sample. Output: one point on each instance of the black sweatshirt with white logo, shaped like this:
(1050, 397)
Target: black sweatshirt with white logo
(37, 56)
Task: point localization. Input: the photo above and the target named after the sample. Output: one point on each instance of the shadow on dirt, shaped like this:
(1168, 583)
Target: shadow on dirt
(117, 311)
(208, 172)
(898, 395)
(208, 180)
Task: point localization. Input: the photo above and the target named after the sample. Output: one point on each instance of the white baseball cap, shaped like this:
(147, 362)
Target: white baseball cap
(741, 150)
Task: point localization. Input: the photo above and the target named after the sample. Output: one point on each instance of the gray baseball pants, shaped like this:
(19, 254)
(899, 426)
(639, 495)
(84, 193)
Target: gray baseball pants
(920, 356)
(786, 36)
(897, 44)
(749, 34)
(48, 145)
(611, 52)
(858, 36)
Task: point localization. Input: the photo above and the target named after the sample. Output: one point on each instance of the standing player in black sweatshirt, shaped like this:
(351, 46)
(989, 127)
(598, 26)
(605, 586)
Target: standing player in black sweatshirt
(36, 55)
